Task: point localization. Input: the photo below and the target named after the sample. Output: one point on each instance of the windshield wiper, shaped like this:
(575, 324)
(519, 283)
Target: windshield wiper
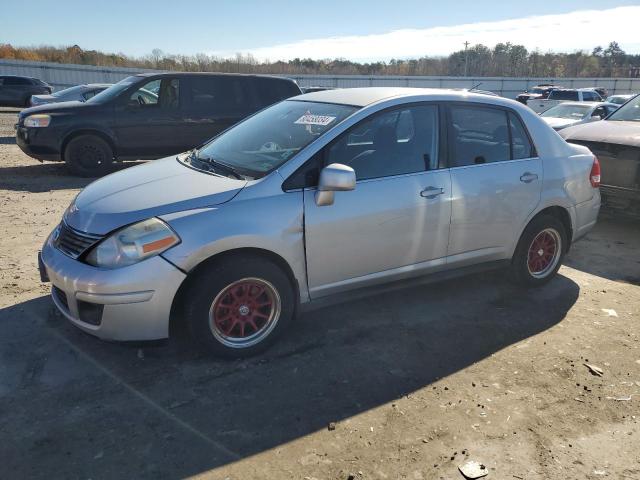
(219, 165)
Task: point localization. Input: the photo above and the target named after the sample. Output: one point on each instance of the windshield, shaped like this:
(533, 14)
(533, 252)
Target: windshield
(576, 112)
(113, 91)
(268, 139)
(68, 91)
(629, 112)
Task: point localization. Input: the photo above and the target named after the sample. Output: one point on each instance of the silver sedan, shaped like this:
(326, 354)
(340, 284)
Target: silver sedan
(79, 93)
(319, 195)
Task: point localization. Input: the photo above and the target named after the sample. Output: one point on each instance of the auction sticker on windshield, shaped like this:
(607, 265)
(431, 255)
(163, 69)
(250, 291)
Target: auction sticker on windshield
(309, 119)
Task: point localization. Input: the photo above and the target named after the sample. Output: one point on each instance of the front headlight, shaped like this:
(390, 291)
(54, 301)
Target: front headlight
(37, 121)
(133, 244)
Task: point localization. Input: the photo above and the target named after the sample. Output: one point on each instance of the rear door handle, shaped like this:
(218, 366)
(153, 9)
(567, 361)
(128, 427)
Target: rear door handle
(431, 192)
(528, 177)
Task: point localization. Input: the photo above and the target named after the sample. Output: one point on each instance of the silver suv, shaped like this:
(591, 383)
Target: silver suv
(320, 194)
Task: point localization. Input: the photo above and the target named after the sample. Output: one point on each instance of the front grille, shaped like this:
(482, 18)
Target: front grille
(74, 243)
(60, 296)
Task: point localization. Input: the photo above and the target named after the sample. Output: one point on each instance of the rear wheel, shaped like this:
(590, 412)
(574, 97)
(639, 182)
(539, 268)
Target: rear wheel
(237, 308)
(89, 156)
(540, 251)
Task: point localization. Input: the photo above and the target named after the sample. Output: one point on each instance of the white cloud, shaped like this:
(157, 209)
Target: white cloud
(579, 30)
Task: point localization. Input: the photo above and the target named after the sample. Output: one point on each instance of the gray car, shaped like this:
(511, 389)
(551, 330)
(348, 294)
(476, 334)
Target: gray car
(318, 195)
(79, 93)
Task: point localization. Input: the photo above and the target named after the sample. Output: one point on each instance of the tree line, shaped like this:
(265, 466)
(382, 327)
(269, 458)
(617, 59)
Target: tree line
(504, 59)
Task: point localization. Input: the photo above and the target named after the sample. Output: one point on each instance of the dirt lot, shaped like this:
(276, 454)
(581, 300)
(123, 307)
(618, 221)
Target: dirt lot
(415, 380)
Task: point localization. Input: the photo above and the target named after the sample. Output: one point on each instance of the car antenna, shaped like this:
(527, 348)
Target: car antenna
(475, 86)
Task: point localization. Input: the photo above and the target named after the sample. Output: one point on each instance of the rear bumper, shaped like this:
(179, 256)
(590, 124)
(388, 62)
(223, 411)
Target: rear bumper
(586, 216)
(129, 303)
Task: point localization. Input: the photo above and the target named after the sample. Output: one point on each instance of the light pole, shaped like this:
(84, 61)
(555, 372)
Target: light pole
(466, 58)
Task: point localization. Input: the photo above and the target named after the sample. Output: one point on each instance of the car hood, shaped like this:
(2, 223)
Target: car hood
(156, 188)
(557, 122)
(607, 131)
(58, 107)
(44, 98)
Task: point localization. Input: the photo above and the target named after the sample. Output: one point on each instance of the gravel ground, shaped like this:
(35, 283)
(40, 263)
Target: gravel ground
(407, 384)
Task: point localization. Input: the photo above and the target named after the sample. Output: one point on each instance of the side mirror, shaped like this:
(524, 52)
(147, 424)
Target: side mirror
(334, 178)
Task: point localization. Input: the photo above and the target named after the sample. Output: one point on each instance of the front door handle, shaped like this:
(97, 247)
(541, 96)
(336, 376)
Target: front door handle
(431, 192)
(528, 177)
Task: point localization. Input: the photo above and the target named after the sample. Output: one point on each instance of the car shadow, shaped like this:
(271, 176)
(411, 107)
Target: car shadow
(47, 176)
(90, 409)
(611, 250)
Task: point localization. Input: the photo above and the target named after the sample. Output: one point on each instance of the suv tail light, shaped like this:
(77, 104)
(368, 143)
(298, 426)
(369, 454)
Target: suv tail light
(594, 176)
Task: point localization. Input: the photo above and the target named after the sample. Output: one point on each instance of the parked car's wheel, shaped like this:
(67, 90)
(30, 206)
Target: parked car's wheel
(89, 156)
(238, 307)
(540, 251)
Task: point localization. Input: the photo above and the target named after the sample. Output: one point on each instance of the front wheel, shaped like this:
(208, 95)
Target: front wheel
(89, 156)
(237, 308)
(540, 251)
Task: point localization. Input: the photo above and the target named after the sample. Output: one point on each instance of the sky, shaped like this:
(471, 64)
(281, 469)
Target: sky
(359, 30)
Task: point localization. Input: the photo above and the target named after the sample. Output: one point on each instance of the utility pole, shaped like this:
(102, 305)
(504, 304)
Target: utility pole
(466, 59)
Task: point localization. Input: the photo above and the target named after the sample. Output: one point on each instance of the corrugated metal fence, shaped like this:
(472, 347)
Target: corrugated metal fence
(66, 75)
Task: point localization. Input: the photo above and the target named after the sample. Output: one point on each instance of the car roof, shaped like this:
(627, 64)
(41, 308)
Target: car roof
(98, 85)
(212, 74)
(361, 97)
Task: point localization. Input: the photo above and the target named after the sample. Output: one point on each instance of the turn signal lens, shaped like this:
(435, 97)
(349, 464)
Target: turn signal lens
(594, 176)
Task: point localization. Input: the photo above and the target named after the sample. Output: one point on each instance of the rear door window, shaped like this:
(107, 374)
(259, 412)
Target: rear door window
(479, 135)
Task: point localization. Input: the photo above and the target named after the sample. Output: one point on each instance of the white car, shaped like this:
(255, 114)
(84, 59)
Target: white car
(573, 113)
(619, 99)
(561, 95)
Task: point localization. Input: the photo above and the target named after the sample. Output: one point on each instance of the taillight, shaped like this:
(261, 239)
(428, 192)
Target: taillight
(594, 176)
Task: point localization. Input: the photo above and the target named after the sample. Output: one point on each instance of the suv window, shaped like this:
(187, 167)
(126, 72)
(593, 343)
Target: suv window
(270, 91)
(164, 93)
(590, 96)
(218, 94)
(16, 81)
(479, 135)
(390, 143)
(564, 95)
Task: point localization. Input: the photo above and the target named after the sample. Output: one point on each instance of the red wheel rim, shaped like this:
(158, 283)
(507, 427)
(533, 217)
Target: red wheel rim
(543, 252)
(244, 312)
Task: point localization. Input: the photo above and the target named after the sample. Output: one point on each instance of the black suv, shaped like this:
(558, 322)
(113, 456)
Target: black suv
(16, 91)
(144, 117)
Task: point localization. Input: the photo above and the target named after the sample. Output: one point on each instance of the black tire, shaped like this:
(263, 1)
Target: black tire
(208, 293)
(27, 102)
(89, 156)
(529, 266)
